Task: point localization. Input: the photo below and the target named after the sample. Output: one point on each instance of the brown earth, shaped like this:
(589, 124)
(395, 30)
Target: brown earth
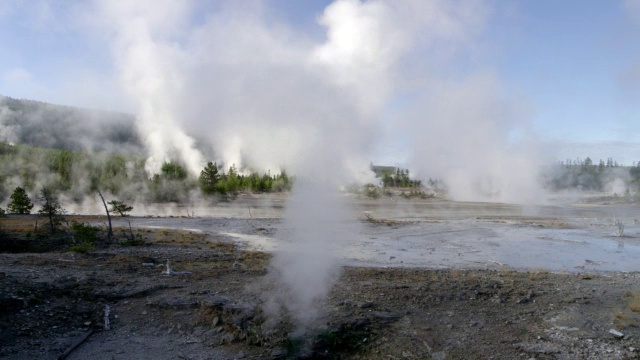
(52, 299)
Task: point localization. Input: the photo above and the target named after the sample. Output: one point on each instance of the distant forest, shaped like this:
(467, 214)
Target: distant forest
(79, 152)
(590, 176)
(44, 125)
(79, 173)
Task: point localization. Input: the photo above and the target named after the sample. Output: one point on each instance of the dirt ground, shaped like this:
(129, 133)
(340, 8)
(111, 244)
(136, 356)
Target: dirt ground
(51, 300)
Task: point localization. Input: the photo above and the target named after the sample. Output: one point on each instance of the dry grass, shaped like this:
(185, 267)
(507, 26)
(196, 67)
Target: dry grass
(536, 275)
(628, 317)
(173, 237)
(634, 303)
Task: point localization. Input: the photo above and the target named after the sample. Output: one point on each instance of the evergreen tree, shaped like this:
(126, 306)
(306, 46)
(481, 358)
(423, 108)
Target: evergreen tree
(209, 177)
(173, 171)
(51, 208)
(20, 202)
(233, 180)
(120, 207)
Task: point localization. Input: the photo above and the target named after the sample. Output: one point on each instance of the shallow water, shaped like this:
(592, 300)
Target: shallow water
(441, 234)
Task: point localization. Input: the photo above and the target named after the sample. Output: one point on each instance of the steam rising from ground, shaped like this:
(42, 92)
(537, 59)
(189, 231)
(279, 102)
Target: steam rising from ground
(470, 143)
(235, 82)
(307, 265)
(267, 95)
(148, 65)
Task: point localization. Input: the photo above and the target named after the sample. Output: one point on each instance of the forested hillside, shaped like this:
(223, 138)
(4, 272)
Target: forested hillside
(79, 173)
(79, 152)
(50, 126)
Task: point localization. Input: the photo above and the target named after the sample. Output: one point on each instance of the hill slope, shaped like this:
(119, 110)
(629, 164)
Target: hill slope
(51, 126)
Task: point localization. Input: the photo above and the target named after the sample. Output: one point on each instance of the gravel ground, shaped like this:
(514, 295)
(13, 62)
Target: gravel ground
(217, 308)
(49, 300)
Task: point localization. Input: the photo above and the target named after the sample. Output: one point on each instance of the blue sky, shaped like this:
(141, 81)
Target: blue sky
(574, 64)
(570, 57)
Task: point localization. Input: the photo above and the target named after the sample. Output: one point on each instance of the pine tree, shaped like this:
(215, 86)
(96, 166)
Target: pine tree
(20, 202)
(209, 177)
(120, 207)
(51, 208)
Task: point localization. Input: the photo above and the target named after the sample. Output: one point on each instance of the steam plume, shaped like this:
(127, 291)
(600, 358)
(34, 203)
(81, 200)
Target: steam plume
(266, 95)
(147, 60)
(240, 73)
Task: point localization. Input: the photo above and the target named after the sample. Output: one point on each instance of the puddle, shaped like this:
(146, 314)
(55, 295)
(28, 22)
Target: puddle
(254, 242)
(193, 230)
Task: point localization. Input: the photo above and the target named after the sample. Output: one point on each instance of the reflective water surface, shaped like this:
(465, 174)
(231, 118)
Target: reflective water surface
(443, 234)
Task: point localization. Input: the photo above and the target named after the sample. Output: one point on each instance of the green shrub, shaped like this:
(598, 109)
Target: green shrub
(132, 238)
(371, 191)
(84, 233)
(135, 239)
(83, 248)
(85, 237)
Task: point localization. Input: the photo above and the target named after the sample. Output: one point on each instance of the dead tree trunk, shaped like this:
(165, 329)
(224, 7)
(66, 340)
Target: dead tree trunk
(110, 231)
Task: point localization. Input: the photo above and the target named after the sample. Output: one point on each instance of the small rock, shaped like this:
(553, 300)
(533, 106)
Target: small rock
(278, 354)
(617, 334)
(227, 338)
(407, 354)
(385, 315)
(365, 305)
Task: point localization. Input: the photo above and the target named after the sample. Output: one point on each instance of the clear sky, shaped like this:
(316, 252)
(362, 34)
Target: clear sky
(573, 64)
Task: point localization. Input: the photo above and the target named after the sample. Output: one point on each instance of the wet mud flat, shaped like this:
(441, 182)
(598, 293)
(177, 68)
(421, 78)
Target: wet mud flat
(440, 234)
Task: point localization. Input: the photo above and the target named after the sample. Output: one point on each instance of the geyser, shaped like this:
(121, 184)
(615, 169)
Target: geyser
(307, 264)
(268, 94)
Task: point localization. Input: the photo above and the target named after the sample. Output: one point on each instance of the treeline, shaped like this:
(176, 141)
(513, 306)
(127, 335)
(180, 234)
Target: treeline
(78, 174)
(212, 181)
(391, 176)
(53, 230)
(395, 181)
(588, 175)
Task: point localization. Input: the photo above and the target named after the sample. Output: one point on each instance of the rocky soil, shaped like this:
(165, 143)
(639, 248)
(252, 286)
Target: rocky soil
(215, 309)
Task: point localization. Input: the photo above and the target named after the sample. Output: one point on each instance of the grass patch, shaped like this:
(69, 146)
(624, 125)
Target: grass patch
(634, 303)
(83, 248)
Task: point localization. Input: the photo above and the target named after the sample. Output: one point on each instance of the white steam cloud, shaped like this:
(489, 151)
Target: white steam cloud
(233, 82)
(307, 264)
(265, 95)
(476, 142)
(148, 63)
